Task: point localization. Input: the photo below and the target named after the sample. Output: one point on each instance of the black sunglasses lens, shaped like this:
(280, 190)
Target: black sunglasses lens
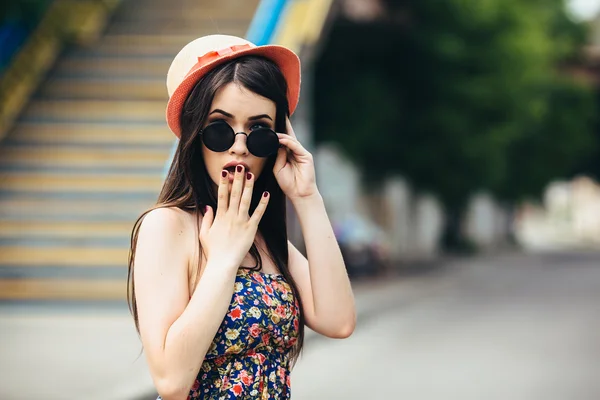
(218, 136)
(262, 142)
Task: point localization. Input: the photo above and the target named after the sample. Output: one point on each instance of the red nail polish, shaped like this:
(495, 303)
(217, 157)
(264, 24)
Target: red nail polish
(239, 168)
(224, 173)
(265, 194)
(248, 176)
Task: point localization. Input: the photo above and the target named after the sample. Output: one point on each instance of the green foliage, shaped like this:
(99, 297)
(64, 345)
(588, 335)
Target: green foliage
(556, 146)
(462, 96)
(26, 12)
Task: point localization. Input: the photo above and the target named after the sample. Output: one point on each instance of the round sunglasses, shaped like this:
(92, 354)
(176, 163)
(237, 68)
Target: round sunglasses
(218, 136)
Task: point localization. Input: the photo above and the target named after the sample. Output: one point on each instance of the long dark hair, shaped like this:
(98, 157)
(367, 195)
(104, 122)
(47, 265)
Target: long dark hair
(189, 187)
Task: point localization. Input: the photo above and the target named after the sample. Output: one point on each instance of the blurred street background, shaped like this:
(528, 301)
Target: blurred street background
(457, 147)
(498, 327)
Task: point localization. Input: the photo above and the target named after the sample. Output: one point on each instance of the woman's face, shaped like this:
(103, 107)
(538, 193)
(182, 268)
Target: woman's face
(243, 110)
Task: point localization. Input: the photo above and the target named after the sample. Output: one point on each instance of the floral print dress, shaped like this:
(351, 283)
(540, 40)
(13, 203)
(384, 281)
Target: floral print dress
(249, 356)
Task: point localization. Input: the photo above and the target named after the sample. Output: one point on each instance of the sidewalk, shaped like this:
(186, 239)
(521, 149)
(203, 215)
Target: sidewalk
(71, 354)
(95, 353)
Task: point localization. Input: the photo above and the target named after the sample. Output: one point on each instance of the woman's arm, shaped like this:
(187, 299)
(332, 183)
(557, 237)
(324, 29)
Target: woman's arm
(176, 331)
(322, 279)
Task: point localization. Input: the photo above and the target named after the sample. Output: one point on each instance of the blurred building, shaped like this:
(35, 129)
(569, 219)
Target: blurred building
(569, 217)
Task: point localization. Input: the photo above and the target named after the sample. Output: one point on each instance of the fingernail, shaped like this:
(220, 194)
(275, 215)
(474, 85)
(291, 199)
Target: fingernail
(224, 173)
(239, 168)
(265, 194)
(205, 209)
(248, 176)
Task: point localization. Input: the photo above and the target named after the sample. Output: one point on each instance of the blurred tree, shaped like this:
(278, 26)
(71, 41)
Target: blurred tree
(456, 96)
(26, 12)
(590, 165)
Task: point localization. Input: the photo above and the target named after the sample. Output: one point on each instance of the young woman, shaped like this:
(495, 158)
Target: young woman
(219, 296)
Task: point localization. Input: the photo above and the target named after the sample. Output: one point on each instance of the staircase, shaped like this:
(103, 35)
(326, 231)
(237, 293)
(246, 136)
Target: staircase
(87, 155)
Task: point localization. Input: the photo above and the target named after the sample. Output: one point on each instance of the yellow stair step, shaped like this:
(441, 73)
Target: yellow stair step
(91, 256)
(63, 289)
(65, 229)
(129, 89)
(92, 133)
(209, 12)
(73, 208)
(86, 157)
(147, 40)
(141, 39)
(144, 44)
(168, 27)
(196, 18)
(145, 48)
(111, 66)
(123, 183)
(109, 110)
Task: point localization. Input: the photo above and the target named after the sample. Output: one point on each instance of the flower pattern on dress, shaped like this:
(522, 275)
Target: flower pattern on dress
(249, 356)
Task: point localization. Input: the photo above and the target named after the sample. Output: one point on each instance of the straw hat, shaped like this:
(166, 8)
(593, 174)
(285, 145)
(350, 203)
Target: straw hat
(203, 54)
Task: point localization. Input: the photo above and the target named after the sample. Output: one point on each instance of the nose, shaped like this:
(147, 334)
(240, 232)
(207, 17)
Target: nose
(239, 145)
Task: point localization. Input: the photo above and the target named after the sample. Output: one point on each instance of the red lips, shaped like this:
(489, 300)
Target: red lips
(232, 164)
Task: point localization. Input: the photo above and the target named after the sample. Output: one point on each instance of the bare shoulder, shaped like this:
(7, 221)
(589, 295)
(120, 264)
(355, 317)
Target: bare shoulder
(166, 221)
(167, 230)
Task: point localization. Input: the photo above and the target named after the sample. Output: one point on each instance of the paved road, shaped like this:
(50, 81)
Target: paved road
(511, 327)
(508, 327)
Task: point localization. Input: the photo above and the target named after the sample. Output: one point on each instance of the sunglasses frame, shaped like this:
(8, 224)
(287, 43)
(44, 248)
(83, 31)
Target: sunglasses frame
(234, 134)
